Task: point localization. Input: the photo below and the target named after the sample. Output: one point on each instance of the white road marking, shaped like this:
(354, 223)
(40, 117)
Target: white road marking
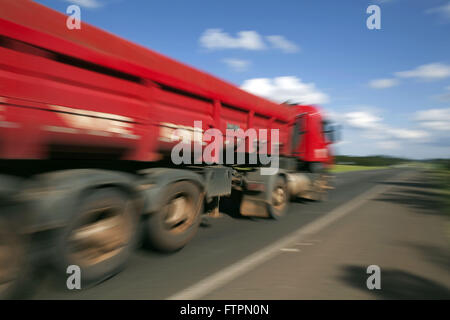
(290, 250)
(222, 277)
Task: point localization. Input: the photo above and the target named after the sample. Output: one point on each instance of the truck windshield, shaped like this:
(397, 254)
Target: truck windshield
(328, 130)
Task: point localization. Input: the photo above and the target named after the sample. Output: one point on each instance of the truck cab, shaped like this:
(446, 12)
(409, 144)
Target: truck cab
(312, 135)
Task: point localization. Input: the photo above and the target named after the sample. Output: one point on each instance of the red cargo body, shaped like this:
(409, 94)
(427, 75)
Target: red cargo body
(91, 92)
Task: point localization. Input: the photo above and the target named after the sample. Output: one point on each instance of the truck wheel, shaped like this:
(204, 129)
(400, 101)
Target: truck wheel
(176, 223)
(100, 237)
(319, 188)
(279, 200)
(14, 264)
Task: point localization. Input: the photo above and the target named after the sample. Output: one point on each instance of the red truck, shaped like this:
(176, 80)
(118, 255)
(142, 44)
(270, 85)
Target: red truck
(85, 151)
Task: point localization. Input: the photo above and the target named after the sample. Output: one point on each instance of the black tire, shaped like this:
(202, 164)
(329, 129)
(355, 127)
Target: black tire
(317, 193)
(15, 264)
(168, 237)
(120, 217)
(279, 199)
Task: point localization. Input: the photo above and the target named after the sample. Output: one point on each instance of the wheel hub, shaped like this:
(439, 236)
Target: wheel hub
(104, 234)
(180, 213)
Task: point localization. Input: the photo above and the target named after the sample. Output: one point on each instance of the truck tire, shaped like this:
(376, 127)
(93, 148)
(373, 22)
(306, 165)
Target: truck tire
(279, 200)
(100, 236)
(318, 189)
(172, 227)
(14, 263)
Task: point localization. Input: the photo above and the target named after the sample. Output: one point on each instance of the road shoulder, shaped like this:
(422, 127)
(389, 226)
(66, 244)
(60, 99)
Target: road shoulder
(401, 230)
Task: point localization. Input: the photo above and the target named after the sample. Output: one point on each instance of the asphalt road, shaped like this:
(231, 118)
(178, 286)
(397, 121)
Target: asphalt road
(318, 251)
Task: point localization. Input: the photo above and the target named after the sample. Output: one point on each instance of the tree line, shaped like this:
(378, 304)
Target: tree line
(375, 161)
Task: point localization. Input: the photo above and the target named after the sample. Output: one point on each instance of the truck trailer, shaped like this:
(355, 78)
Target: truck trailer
(87, 127)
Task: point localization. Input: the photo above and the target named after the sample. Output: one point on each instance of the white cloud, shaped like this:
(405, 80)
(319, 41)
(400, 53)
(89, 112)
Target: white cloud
(217, 39)
(342, 143)
(405, 133)
(362, 119)
(248, 40)
(432, 71)
(443, 11)
(370, 134)
(283, 44)
(434, 119)
(374, 127)
(426, 72)
(86, 3)
(444, 97)
(281, 89)
(237, 65)
(388, 145)
(383, 83)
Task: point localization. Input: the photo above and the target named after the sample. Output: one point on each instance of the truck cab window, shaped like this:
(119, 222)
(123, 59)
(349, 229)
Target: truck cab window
(328, 130)
(298, 131)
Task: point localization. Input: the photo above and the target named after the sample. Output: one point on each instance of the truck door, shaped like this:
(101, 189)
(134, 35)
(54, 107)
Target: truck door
(298, 133)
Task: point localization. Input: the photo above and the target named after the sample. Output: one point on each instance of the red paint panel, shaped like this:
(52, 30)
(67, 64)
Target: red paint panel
(90, 88)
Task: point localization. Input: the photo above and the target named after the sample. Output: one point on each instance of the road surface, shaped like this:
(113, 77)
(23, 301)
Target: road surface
(388, 218)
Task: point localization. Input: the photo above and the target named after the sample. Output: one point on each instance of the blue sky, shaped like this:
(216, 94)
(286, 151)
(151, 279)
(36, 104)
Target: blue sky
(389, 88)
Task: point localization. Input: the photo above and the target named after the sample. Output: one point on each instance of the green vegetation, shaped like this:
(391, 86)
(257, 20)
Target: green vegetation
(371, 161)
(439, 164)
(354, 163)
(344, 168)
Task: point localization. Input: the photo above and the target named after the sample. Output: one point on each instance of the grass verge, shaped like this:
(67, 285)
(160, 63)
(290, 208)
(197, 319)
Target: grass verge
(346, 167)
